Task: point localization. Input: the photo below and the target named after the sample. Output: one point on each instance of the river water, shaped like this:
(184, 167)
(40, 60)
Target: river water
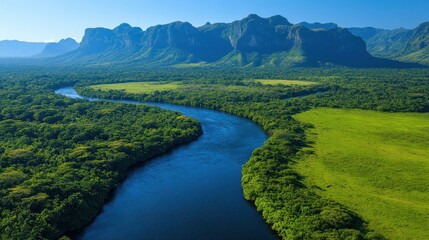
(192, 192)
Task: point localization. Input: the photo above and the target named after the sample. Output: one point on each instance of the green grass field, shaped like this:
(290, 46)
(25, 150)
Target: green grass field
(284, 82)
(377, 164)
(139, 87)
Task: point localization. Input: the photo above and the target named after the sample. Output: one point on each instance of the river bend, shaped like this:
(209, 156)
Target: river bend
(192, 192)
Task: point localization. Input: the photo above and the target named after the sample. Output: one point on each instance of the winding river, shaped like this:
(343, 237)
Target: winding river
(192, 192)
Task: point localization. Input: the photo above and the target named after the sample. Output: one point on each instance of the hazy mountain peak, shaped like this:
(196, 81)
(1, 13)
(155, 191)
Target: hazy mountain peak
(253, 16)
(181, 24)
(122, 28)
(59, 48)
(278, 20)
(68, 41)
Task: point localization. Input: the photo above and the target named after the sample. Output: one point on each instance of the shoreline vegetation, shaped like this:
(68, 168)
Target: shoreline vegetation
(181, 142)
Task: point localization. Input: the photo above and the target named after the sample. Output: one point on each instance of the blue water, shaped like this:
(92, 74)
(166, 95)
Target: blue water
(192, 192)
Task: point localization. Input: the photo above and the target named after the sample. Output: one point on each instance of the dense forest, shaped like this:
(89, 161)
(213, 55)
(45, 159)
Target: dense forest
(292, 208)
(61, 158)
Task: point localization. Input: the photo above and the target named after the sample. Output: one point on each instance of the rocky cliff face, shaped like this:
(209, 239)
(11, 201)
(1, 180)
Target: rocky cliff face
(97, 40)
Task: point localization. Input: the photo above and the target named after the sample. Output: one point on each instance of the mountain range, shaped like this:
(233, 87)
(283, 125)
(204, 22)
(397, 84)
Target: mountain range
(251, 41)
(408, 45)
(398, 44)
(21, 49)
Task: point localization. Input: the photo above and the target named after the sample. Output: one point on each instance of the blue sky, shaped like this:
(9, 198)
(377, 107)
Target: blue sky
(47, 20)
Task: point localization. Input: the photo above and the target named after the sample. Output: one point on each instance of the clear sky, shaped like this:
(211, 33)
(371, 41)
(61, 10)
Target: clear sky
(48, 20)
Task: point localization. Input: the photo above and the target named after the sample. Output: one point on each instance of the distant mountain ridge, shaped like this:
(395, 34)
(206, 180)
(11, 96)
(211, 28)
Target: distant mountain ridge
(251, 41)
(398, 44)
(59, 48)
(20, 49)
(318, 26)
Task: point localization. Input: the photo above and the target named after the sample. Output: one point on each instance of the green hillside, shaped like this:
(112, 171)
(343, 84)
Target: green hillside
(398, 44)
(374, 163)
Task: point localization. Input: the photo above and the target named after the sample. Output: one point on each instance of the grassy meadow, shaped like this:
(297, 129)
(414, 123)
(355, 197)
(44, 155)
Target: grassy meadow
(376, 164)
(284, 82)
(138, 87)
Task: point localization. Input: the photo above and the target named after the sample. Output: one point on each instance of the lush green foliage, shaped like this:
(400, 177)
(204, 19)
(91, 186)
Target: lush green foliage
(270, 179)
(58, 152)
(60, 158)
(366, 156)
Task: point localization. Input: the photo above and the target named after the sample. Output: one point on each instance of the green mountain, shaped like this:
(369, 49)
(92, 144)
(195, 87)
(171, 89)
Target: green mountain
(399, 44)
(252, 41)
(417, 47)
